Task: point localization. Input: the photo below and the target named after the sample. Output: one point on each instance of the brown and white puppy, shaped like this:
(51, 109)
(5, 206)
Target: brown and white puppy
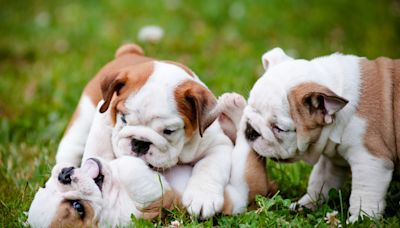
(106, 194)
(160, 112)
(338, 112)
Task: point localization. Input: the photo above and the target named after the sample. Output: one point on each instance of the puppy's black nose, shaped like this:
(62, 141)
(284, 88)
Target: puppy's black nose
(140, 147)
(65, 175)
(250, 133)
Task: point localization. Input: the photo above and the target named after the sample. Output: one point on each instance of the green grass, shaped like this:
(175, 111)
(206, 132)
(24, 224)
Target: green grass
(50, 49)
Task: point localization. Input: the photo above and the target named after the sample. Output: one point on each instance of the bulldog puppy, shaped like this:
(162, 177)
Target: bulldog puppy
(104, 194)
(249, 176)
(338, 112)
(158, 111)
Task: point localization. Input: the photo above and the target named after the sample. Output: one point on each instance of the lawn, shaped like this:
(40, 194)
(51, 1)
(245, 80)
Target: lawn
(50, 49)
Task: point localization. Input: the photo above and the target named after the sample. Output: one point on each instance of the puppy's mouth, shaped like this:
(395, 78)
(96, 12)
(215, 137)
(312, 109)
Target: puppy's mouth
(287, 160)
(157, 169)
(93, 168)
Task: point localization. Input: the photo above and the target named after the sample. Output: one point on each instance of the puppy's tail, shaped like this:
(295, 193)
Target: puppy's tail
(129, 49)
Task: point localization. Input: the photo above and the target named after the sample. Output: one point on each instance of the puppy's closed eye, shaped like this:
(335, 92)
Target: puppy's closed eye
(278, 129)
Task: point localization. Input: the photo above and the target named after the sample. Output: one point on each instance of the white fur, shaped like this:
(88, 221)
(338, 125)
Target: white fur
(268, 107)
(231, 106)
(204, 194)
(237, 188)
(178, 177)
(101, 129)
(72, 144)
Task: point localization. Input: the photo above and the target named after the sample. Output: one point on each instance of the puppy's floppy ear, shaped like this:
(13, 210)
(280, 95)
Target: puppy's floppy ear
(111, 84)
(325, 103)
(274, 57)
(197, 106)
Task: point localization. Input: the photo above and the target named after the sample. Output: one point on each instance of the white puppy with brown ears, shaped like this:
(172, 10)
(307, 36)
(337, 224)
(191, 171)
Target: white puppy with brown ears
(106, 193)
(158, 111)
(338, 112)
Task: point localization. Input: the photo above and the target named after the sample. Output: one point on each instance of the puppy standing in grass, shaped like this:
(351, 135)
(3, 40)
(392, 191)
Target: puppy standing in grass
(339, 112)
(158, 111)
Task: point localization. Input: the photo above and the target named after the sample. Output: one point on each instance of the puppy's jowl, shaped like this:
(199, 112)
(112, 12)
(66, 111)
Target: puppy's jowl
(338, 112)
(158, 111)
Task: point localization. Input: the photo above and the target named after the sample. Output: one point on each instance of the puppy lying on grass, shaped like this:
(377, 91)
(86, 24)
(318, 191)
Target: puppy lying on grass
(104, 194)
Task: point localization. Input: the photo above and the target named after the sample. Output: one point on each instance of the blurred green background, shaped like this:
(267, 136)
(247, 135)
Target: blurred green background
(50, 49)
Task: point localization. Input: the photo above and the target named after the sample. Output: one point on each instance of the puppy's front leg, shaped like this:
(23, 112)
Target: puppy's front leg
(324, 176)
(204, 194)
(370, 181)
(98, 143)
(147, 188)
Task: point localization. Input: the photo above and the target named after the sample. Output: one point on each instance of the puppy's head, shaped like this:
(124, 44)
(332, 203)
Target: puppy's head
(156, 108)
(71, 197)
(288, 107)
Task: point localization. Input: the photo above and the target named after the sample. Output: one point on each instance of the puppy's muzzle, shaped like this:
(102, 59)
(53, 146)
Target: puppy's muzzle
(65, 175)
(140, 147)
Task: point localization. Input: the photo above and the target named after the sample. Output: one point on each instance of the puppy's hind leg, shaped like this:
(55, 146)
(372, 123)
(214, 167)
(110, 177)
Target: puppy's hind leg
(72, 145)
(324, 176)
(371, 177)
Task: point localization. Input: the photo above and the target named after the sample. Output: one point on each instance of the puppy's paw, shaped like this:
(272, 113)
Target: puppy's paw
(232, 105)
(294, 207)
(352, 219)
(203, 203)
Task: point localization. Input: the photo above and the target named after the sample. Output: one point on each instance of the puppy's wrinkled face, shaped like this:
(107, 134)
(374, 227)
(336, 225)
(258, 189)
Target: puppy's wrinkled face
(71, 196)
(267, 124)
(157, 108)
(288, 107)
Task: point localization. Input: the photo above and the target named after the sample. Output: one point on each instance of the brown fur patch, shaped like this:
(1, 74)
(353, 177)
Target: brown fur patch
(309, 120)
(93, 90)
(195, 104)
(185, 68)
(257, 177)
(227, 209)
(129, 49)
(380, 105)
(122, 85)
(169, 200)
(66, 216)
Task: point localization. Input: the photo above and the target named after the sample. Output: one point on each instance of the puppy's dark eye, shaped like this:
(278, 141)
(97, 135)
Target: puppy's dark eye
(79, 208)
(168, 131)
(123, 118)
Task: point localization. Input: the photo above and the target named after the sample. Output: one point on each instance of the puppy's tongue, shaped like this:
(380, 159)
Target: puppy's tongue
(90, 168)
